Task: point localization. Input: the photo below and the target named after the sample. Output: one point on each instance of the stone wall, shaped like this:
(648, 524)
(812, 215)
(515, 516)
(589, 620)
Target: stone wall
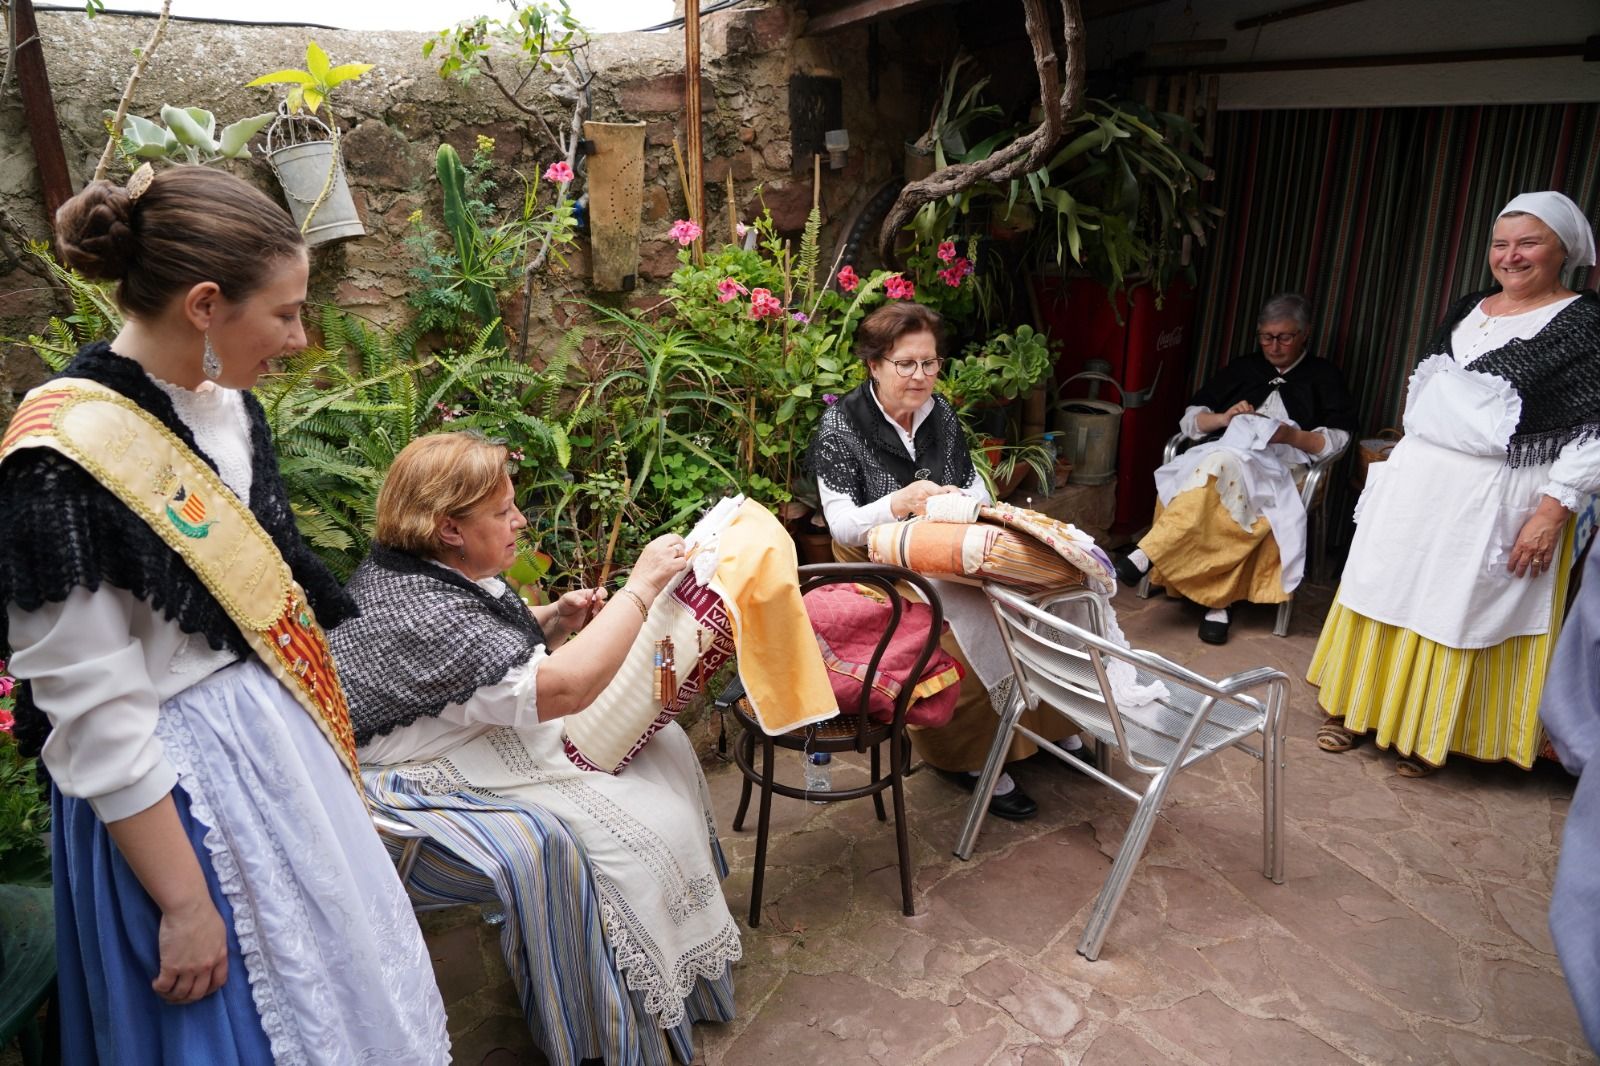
(396, 116)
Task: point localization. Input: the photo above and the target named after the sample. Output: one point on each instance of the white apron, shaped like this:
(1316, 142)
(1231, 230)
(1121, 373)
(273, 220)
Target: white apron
(1437, 521)
(1254, 478)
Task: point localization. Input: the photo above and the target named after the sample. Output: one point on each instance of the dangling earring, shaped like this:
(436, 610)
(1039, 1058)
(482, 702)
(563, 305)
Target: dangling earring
(209, 362)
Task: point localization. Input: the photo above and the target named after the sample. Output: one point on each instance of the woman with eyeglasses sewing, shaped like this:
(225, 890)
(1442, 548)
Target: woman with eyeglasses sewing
(1229, 523)
(879, 454)
(1456, 584)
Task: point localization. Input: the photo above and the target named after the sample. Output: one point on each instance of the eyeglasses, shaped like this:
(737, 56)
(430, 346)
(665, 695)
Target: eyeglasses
(906, 367)
(1277, 338)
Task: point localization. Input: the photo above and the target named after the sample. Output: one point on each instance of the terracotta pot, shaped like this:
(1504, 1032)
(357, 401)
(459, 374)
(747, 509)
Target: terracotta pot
(815, 547)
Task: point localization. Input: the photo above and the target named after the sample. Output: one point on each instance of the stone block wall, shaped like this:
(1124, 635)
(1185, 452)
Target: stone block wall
(394, 118)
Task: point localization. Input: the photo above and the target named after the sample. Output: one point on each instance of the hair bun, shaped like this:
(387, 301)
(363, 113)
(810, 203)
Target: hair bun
(94, 232)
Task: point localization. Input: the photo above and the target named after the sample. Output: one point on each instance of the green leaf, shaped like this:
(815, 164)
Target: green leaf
(236, 136)
(187, 129)
(317, 63)
(346, 72)
(282, 77)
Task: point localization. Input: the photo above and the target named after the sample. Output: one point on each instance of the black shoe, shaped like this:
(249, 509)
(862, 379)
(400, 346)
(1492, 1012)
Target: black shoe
(1214, 632)
(1127, 573)
(1014, 806)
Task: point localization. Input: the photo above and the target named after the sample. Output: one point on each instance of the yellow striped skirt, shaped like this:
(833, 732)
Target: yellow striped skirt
(1429, 700)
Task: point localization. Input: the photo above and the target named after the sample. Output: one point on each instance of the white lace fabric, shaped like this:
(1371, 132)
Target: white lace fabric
(216, 418)
(337, 966)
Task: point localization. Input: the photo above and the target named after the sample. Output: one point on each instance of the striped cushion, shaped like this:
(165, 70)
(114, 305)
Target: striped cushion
(977, 552)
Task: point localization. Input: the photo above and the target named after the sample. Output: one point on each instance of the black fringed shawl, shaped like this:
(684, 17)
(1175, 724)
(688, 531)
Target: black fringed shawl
(427, 637)
(59, 529)
(1556, 372)
(857, 453)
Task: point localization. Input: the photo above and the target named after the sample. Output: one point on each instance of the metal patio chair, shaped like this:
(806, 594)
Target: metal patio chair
(1063, 666)
(1313, 493)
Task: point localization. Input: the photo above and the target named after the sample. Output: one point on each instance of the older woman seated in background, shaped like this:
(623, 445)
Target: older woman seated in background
(1230, 525)
(879, 454)
(450, 675)
(1456, 582)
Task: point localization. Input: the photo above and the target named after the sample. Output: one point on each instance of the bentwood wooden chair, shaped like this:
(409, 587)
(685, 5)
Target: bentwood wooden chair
(853, 730)
(1064, 667)
(1313, 491)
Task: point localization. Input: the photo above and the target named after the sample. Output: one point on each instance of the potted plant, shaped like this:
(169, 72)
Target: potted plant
(304, 150)
(190, 136)
(945, 137)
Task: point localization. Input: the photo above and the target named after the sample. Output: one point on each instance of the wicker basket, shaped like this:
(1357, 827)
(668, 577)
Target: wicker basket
(1374, 450)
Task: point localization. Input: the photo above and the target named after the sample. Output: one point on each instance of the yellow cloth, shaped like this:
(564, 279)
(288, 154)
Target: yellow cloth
(1198, 551)
(1429, 700)
(779, 662)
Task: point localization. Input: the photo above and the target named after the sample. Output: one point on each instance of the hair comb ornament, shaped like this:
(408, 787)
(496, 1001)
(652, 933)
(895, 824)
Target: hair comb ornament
(139, 183)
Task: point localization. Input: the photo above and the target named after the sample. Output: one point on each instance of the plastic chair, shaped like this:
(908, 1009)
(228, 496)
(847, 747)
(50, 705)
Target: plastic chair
(850, 731)
(1313, 491)
(1063, 666)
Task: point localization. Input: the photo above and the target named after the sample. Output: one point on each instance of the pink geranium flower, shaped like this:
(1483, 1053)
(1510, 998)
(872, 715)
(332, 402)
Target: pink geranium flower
(7, 684)
(847, 278)
(764, 305)
(685, 231)
(947, 251)
(900, 287)
(6, 721)
(559, 171)
(953, 274)
(727, 289)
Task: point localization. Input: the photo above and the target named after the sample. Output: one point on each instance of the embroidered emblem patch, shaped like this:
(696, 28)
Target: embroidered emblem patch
(187, 512)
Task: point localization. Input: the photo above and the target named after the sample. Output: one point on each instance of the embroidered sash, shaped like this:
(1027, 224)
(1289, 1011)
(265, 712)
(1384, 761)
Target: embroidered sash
(171, 489)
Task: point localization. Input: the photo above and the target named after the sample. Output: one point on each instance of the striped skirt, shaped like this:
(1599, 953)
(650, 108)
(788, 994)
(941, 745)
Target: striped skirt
(1428, 700)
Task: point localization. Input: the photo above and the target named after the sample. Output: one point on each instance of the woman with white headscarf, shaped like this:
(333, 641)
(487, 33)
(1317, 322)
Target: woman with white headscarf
(1456, 583)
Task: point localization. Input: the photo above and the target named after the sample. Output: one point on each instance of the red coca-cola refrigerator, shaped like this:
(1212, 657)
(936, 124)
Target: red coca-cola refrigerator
(1148, 351)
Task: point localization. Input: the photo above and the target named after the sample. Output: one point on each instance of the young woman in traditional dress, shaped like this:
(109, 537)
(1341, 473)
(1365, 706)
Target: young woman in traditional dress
(221, 896)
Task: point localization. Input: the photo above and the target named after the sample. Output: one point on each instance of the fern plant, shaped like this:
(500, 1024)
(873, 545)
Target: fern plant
(94, 314)
(342, 410)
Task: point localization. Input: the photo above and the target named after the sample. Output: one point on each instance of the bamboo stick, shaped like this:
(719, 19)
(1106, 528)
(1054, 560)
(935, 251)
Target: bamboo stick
(691, 101)
(733, 212)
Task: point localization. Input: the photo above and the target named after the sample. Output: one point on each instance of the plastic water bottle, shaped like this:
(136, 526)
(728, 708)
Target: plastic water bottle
(819, 777)
(1052, 452)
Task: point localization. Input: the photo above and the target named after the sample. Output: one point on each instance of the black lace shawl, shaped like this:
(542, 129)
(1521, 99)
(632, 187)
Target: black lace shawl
(427, 637)
(857, 452)
(62, 529)
(1556, 372)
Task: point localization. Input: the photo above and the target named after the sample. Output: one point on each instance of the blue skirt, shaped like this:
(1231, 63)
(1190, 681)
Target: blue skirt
(107, 955)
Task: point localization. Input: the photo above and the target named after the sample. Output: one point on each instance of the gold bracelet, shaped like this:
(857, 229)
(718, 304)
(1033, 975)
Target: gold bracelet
(638, 600)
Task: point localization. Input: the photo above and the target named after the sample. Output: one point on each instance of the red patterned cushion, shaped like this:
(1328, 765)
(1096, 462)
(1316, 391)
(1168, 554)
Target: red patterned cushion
(849, 623)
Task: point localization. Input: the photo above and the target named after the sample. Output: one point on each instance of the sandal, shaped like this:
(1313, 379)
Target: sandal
(1409, 767)
(1333, 736)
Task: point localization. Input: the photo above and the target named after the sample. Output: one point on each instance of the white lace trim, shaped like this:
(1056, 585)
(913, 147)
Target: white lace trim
(664, 993)
(287, 1048)
(216, 417)
(1566, 495)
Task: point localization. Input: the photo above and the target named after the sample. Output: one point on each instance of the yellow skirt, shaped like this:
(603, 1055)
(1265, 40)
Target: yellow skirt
(1429, 700)
(1198, 551)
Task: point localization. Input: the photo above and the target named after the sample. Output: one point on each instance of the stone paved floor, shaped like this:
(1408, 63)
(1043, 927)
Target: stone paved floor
(1411, 927)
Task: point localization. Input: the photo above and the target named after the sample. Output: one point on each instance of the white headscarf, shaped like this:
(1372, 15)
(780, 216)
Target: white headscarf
(1563, 216)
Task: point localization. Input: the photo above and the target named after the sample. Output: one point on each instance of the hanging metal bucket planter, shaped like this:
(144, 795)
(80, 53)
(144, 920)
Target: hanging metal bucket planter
(302, 153)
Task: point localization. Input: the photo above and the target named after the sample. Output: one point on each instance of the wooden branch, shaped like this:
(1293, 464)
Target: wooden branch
(39, 111)
(110, 151)
(1061, 101)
